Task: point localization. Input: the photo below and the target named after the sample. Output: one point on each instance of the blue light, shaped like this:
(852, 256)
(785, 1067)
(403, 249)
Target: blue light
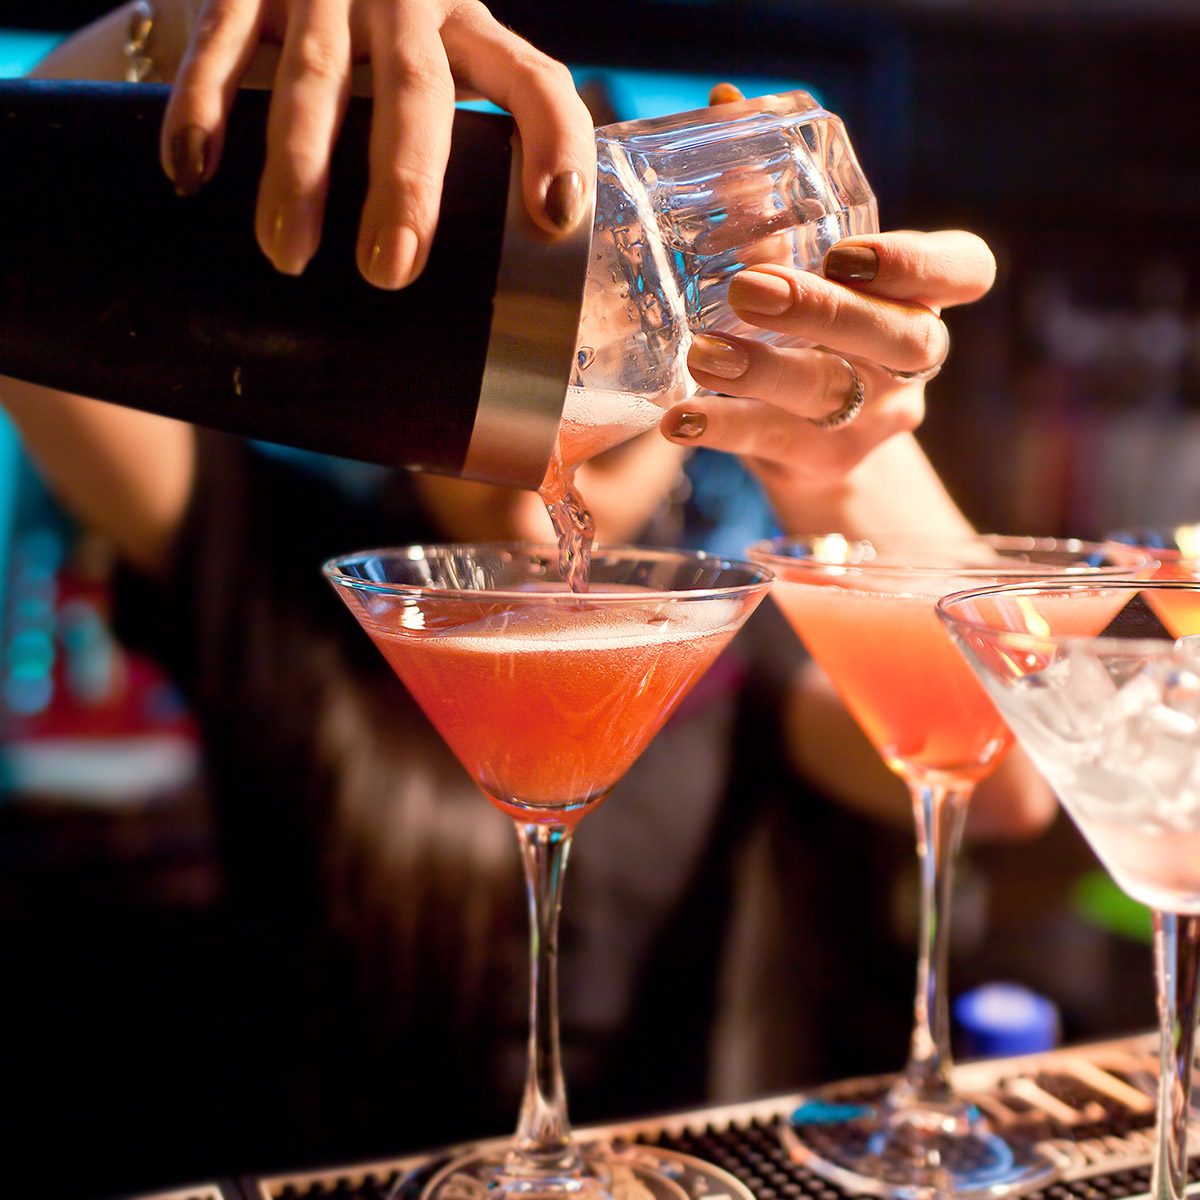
(639, 95)
(26, 697)
(42, 549)
(19, 51)
(30, 653)
(9, 474)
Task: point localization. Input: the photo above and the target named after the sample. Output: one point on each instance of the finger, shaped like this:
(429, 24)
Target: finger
(724, 93)
(309, 98)
(193, 128)
(557, 136)
(775, 441)
(805, 383)
(936, 269)
(411, 126)
(902, 335)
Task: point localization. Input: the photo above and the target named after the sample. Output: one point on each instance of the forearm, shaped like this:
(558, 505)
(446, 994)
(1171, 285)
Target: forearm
(894, 490)
(123, 473)
(828, 747)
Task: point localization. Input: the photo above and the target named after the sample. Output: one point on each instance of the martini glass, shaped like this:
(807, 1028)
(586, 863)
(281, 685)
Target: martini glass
(1106, 700)
(546, 697)
(867, 616)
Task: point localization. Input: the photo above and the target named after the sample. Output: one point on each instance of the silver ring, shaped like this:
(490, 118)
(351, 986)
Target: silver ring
(852, 407)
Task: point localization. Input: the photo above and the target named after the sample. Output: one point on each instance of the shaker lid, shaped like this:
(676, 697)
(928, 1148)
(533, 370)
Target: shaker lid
(531, 348)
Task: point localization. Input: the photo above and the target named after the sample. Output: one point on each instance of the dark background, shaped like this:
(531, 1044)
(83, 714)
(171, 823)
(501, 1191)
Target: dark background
(1068, 135)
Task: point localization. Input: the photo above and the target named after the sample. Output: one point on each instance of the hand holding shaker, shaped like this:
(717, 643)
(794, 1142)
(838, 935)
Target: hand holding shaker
(507, 345)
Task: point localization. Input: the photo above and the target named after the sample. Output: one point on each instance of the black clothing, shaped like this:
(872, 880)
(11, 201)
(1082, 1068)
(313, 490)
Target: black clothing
(375, 889)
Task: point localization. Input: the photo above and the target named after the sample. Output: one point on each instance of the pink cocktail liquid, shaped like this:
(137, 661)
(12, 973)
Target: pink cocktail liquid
(592, 422)
(548, 705)
(901, 676)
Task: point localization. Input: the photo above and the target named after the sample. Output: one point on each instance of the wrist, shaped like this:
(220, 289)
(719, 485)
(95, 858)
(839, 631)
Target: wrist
(894, 489)
(808, 504)
(159, 31)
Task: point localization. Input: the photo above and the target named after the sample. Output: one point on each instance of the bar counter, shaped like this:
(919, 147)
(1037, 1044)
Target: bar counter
(1089, 1108)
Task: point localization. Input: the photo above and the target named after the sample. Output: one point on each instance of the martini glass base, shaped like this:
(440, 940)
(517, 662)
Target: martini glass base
(867, 1147)
(616, 1170)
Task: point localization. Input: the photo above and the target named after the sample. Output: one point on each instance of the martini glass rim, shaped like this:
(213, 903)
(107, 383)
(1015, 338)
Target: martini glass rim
(1125, 647)
(759, 578)
(889, 560)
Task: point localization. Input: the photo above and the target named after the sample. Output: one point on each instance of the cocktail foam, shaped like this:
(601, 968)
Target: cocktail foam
(576, 628)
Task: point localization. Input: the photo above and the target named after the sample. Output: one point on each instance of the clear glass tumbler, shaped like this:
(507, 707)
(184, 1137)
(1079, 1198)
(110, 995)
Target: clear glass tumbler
(682, 204)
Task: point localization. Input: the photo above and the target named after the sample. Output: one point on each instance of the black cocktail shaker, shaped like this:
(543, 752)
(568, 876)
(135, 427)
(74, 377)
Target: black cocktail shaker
(111, 286)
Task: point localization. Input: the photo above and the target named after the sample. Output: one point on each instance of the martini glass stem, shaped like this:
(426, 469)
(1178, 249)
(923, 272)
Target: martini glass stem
(939, 812)
(542, 1147)
(1176, 959)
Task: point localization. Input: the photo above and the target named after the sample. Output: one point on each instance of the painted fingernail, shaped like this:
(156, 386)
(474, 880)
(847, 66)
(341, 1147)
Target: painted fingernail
(392, 257)
(760, 292)
(851, 264)
(291, 240)
(718, 356)
(687, 425)
(564, 200)
(189, 159)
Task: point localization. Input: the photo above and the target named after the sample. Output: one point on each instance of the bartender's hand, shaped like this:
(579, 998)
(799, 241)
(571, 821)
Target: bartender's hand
(828, 428)
(422, 53)
(876, 315)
